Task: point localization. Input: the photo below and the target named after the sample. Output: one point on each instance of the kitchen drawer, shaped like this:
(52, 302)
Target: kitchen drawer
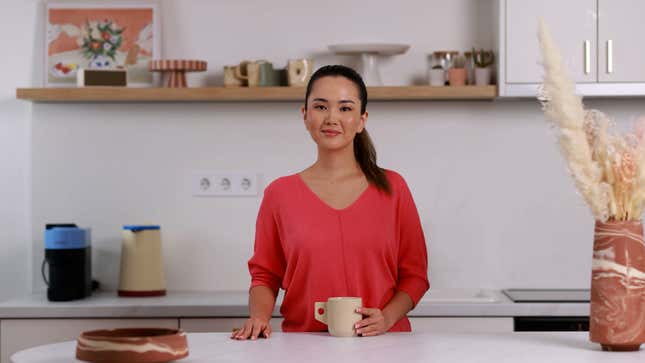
(19, 334)
(219, 325)
(462, 325)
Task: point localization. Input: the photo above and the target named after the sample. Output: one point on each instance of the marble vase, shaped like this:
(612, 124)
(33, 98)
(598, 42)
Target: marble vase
(617, 316)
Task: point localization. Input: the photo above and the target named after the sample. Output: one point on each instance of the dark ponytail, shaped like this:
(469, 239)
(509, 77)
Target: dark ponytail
(364, 150)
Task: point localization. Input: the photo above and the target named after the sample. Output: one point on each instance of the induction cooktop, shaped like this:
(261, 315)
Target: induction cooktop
(548, 295)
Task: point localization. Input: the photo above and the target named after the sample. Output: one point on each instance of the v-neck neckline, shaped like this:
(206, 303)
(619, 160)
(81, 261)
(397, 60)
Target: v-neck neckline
(352, 204)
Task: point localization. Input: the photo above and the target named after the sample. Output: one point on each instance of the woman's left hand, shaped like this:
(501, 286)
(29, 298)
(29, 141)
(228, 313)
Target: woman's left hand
(375, 324)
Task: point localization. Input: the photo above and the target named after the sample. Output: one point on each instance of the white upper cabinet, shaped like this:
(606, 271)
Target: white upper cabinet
(621, 27)
(601, 42)
(573, 26)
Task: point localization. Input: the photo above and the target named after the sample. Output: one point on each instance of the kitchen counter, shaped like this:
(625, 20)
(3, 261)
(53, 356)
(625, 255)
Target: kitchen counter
(447, 302)
(570, 347)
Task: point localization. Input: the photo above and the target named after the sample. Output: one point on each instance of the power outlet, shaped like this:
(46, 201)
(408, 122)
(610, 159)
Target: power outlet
(231, 183)
(245, 183)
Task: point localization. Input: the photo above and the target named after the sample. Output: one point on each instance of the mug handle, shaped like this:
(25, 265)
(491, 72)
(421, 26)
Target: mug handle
(298, 71)
(42, 271)
(305, 70)
(320, 306)
(238, 70)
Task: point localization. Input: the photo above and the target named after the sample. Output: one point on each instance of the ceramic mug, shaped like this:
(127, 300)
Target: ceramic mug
(268, 76)
(299, 72)
(229, 77)
(339, 313)
(249, 72)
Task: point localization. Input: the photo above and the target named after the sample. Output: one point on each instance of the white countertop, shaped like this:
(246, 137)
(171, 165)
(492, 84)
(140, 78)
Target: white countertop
(446, 302)
(569, 347)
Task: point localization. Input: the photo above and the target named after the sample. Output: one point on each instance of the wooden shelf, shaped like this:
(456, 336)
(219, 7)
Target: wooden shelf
(221, 94)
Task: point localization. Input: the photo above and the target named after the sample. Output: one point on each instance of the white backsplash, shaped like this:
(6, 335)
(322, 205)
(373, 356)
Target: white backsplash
(495, 200)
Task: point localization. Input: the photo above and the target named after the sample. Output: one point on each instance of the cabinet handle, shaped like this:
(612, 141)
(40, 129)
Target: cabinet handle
(610, 56)
(587, 57)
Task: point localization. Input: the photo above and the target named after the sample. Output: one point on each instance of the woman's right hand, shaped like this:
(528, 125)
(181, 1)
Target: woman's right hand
(253, 328)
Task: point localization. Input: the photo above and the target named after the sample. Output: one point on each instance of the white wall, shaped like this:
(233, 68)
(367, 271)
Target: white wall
(17, 29)
(496, 203)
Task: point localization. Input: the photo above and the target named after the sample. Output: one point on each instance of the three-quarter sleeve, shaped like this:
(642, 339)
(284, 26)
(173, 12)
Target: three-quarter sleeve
(267, 265)
(412, 256)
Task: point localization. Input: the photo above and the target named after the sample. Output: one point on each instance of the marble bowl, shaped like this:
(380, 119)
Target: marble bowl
(144, 345)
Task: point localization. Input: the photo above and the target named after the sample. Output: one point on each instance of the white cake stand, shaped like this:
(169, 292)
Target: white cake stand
(369, 53)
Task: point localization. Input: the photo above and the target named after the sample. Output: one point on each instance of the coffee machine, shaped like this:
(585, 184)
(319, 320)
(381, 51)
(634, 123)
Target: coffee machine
(69, 258)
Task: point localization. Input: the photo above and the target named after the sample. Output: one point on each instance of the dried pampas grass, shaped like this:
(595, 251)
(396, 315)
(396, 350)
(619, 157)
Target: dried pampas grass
(608, 168)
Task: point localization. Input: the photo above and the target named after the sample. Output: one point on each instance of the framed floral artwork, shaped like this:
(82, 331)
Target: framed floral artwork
(101, 36)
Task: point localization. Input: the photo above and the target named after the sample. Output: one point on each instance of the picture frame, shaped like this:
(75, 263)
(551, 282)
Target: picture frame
(101, 35)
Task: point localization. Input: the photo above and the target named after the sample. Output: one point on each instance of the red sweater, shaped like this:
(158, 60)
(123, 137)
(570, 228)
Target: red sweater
(369, 249)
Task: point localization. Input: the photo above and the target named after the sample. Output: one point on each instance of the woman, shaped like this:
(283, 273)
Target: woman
(342, 227)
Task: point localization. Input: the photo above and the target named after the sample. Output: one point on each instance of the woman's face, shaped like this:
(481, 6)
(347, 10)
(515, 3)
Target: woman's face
(333, 113)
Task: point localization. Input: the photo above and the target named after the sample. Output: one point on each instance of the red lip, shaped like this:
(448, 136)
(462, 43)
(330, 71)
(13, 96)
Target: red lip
(331, 132)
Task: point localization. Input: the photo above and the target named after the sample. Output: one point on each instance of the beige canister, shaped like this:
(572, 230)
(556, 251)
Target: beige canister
(142, 272)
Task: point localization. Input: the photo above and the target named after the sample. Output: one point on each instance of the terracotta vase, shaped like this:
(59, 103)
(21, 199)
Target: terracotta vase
(617, 316)
(457, 76)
